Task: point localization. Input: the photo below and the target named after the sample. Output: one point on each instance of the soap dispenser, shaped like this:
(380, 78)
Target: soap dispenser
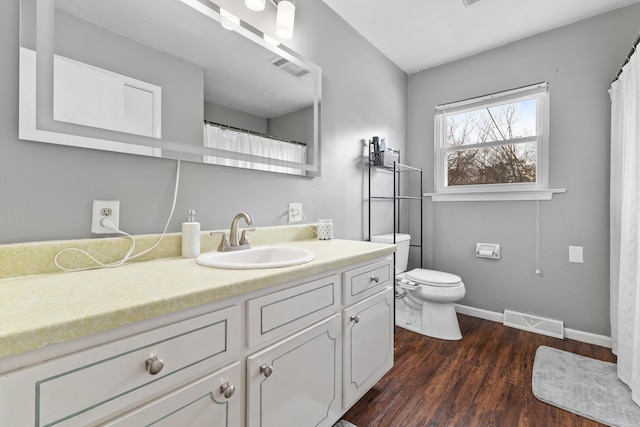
(191, 236)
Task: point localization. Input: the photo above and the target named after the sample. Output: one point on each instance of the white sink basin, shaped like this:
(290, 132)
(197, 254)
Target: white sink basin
(258, 257)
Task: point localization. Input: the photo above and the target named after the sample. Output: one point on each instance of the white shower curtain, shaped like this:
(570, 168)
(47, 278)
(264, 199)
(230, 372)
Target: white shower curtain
(253, 145)
(625, 224)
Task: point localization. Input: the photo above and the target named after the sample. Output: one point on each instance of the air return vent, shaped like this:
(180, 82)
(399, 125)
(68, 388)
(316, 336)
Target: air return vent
(540, 325)
(289, 67)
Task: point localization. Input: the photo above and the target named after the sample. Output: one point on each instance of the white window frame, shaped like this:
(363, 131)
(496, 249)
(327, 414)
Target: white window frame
(538, 190)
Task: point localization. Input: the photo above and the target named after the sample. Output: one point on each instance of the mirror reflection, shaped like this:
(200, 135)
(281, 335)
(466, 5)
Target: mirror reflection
(166, 78)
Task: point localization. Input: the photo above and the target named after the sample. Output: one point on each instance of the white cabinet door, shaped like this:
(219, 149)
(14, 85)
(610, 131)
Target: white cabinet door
(368, 344)
(200, 404)
(296, 382)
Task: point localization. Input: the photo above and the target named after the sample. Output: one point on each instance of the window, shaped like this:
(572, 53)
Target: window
(493, 144)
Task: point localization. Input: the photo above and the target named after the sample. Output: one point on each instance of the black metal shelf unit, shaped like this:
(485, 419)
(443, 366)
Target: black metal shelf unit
(397, 169)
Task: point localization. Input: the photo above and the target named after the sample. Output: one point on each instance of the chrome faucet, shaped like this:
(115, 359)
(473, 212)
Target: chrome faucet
(232, 243)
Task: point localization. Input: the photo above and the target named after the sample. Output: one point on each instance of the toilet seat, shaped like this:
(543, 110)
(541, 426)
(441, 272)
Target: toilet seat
(433, 278)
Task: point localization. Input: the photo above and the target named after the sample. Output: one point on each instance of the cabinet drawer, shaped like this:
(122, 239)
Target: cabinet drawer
(195, 405)
(85, 387)
(366, 281)
(283, 311)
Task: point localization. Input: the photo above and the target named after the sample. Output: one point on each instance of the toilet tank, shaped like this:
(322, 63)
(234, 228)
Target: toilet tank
(402, 242)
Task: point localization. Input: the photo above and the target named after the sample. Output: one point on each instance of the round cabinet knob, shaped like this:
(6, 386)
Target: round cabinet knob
(374, 278)
(267, 370)
(355, 318)
(227, 389)
(154, 365)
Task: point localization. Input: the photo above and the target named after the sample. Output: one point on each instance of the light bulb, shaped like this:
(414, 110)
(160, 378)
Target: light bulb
(255, 5)
(285, 19)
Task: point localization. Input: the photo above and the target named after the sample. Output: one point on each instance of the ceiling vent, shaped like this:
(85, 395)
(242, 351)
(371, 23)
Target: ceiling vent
(289, 67)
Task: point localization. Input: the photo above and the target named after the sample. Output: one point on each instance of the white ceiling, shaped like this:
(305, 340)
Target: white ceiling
(420, 34)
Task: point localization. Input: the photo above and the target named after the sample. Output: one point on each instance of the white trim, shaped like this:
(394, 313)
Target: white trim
(514, 141)
(588, 337)
(539, 92)
(496, 196)
(522, 92)
(572, 334)
(480, 313)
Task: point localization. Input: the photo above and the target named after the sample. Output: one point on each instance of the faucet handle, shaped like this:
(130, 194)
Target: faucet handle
(243, 237)
(224, 241)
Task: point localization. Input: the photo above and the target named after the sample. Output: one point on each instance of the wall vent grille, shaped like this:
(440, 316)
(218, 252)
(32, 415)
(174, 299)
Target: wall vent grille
(289, 67)
(528, 322)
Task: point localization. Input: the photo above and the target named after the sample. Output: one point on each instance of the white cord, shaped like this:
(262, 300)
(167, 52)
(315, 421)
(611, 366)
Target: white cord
(304, 218)
(109, 224)
(173, 208)
(537, 270)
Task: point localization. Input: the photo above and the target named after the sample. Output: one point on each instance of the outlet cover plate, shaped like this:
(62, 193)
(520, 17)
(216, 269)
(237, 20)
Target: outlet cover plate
(105, 209)
(295, 212)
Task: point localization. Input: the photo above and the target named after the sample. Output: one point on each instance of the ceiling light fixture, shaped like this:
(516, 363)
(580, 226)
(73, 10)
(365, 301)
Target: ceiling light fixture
(270, 40)
(255, 5)
(468, 3)
(229, 20)
(285, 18)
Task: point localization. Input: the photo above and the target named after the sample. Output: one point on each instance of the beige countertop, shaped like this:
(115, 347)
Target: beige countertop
(39, 310)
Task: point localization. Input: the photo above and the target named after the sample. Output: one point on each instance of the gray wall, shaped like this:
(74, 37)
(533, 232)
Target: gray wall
(46, 190)
(232, 117)
(579, 62)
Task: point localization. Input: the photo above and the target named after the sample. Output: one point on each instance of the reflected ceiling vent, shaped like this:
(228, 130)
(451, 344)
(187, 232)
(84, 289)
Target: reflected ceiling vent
(289, 67)
(468, 3)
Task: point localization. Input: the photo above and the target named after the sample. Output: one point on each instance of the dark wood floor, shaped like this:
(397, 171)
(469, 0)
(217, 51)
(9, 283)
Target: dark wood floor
(482, 380)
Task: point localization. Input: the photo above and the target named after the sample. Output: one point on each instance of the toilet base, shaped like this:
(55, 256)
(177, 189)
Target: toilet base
(436, 320)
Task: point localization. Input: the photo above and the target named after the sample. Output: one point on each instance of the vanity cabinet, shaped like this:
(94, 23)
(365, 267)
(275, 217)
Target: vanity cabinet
(368, 344)
(294, 354)
(91, 386)
(296, 382)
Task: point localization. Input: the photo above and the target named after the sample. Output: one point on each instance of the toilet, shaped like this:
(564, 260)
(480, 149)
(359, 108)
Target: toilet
(425, 299)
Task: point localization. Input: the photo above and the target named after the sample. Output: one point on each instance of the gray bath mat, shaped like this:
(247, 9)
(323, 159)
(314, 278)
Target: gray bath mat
(584, 386)
(343, 423)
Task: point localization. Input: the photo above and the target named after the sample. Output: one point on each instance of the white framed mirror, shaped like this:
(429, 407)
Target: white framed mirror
(164, 78)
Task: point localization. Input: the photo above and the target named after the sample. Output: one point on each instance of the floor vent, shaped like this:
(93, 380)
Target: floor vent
(540, 325)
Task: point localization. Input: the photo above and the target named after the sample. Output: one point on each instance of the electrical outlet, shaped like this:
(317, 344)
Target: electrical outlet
(103, 209)
(295, 212)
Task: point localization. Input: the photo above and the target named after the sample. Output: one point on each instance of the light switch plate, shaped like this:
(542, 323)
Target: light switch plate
(575, 254)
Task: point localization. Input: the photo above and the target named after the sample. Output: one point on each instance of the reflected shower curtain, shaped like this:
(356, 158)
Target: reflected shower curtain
(625, 224)
(253, 145)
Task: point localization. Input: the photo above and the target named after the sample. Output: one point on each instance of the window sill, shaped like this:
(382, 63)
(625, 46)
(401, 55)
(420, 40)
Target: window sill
(495, 196)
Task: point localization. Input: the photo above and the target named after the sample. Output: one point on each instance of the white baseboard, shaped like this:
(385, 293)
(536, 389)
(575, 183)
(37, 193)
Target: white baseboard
(479, 312)
(588, 337)
(573, 334)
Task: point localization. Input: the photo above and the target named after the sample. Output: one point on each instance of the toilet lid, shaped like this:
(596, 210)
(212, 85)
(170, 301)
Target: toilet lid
(433, 277)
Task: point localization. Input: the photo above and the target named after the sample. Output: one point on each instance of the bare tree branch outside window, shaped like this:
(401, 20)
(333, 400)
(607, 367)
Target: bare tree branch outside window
(483, 147)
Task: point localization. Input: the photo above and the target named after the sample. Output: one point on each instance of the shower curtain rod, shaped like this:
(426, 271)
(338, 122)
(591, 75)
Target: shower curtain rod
(251, 132)
(627, 58)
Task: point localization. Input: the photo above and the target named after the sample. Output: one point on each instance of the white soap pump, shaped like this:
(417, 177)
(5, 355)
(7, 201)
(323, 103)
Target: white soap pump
(191, 236)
